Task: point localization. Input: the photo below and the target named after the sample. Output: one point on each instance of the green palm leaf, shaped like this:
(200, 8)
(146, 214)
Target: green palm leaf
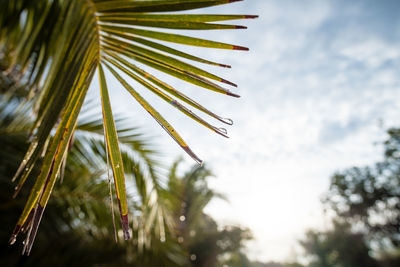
(114, 153)
(53, 48)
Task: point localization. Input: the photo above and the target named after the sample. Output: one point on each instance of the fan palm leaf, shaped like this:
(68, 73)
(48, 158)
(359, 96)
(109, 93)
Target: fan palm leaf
(55, 47)
(87, 159)
(79, 206)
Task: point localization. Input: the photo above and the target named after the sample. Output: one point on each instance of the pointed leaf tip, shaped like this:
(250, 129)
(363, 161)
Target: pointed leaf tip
(251, 16)
(193, 155)
(228, 82)
(125, 226)
(13, 238)
(236, 47)
(240, 27)
(232, 94)
(37, 217)
(225, 66)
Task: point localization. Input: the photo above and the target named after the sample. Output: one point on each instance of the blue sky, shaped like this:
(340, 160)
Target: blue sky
(319, 85)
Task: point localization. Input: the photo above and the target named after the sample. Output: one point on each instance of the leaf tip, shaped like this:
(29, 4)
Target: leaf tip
(236, 47)
(228, 82)
(232, 94)
(14, 234)
(227, 121)
(193, 155)
(240, 27)
(125, 226)
(225, 66)
(16, 191)
(251, 16)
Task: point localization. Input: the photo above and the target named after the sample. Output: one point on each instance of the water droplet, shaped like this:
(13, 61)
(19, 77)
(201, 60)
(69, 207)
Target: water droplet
(228, 121)
(117, 166)
(180, 239)
(193, 257)
(162, 239)
(223, 130)
(182, 218)
(13, 239)
(192, 233)
(26, 169)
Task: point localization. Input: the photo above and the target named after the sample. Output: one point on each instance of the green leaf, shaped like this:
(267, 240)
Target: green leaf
(157, 116)
(170, 37)
(166, 60)
(176, 17)
(164, 48)
(158, 6)
(183, 75)
(169, 89)
(114, 153)
(169, 24)
(169, 99)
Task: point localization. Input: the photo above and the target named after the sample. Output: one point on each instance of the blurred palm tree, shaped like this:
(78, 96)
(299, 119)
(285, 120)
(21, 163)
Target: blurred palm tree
(52, 48)
(206, 243)
(78, 214)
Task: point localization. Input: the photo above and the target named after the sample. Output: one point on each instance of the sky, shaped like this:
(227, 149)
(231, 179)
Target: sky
(318, 88)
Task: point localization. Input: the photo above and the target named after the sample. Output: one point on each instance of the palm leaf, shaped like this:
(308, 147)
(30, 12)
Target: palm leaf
(114, 153)
(53, 49)
(83, 193)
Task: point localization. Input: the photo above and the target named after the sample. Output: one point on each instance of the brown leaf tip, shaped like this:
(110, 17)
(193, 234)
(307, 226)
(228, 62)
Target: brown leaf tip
(232, 94)
(225, 66)
(251, 16)
(193, 155)
(125, 226)
(240, 27)
(236, 47)
(228, 82)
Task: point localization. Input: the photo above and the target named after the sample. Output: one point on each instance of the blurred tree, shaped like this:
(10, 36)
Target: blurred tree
(369, 197)
(339, 247)
(366, 202)
(273, 264)
(205, 242)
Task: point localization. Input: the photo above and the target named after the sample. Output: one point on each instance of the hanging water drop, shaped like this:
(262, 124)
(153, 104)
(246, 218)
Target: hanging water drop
(13, 239)
(223, 130)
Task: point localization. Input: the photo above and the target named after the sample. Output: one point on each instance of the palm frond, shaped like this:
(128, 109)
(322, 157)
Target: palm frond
(55, 47)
